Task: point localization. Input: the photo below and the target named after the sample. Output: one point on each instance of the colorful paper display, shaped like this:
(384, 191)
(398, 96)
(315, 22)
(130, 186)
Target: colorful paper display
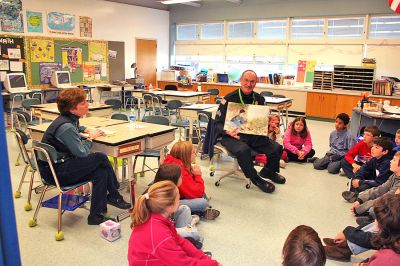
(42, 50)
(34, 21)
(11, 16)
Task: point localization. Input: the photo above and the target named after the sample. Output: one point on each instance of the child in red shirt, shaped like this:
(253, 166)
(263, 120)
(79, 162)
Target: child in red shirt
(362, 150)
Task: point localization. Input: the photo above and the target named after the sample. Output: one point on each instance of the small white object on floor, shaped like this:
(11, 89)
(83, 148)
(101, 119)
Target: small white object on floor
(110, 230)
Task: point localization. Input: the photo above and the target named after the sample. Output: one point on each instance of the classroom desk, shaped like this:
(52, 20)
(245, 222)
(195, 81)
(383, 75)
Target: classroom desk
(280, 104)
(191, 113)
(387, 123)
(184, 96)
(49, 110)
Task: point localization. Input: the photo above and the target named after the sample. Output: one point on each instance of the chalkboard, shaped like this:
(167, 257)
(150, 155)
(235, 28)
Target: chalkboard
(12, 57)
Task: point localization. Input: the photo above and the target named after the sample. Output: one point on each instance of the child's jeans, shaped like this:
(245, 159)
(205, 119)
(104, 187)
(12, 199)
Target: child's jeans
(195, 205)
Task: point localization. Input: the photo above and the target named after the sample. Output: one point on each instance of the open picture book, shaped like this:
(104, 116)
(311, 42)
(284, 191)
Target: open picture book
(247, 118)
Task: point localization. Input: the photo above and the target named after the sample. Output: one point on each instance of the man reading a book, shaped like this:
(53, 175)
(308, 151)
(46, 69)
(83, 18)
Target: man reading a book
(243, 145)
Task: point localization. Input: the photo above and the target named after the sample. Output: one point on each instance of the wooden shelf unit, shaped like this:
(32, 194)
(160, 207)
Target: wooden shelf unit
(353, 78)
(323, 80)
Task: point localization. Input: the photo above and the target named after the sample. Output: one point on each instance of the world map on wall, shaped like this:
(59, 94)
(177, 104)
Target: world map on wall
(60, 21)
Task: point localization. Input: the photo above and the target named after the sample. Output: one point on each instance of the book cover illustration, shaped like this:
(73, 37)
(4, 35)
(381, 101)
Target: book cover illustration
(247, 118)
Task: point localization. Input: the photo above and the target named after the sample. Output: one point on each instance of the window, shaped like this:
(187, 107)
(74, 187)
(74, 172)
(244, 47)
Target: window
(307, 28)
(345, 27)
(240, 30)
(212, 31)
(187, 32)
(274, 29)
(385, 27)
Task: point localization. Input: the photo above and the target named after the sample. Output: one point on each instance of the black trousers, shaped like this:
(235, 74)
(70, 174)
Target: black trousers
(262, 145)
(295, 158)
(95, 168)
(347, 168)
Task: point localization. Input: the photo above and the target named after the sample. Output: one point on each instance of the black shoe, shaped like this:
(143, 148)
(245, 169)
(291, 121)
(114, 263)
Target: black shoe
(311, 160)
(275, 177)
(96, 219)
(349, 196)
(364, 220)
(265, 186)
(118, 202)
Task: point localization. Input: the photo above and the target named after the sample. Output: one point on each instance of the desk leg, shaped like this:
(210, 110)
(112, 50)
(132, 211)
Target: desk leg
(190, 128)
(287, 117)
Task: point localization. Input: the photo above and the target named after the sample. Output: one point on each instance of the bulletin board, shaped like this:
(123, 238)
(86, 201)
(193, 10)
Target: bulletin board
(86, 60)
(12, 58)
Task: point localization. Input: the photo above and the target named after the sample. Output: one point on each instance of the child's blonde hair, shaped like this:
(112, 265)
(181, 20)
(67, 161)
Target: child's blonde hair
(158, 197)
(182, 150)
(274, 116)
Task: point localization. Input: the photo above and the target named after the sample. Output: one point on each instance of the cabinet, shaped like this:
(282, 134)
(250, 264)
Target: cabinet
(321, 105)
(353, 78)
(346, 103)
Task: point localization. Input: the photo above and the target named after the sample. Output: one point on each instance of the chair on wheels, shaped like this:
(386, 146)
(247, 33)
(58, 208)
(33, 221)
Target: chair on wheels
(46, 154)
(22, 140)
(170, 87)
(154, 119)
(214, 92)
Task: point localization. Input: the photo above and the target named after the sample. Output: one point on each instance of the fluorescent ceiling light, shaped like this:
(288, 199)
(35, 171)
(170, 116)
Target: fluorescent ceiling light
(170, 2)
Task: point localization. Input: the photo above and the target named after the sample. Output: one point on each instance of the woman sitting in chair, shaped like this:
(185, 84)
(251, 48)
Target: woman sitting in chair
(76, 163)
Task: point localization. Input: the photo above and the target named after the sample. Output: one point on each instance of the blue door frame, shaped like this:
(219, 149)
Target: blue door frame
(9, 248)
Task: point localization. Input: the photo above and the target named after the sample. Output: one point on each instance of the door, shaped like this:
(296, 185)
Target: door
(146, 60)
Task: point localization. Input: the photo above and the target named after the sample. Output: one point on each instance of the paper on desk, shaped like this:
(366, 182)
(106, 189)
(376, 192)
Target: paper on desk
(107, 131)
(134, 125)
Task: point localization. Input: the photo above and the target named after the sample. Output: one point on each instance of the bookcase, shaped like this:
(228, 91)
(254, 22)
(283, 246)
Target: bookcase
(353, 78)
(323, 80)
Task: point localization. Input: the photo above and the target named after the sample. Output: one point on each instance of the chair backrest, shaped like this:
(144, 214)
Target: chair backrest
(116, 103)
(157, 103)
(36, 95)
(170, 87)
(278, 96)
(120, 117)
(45, 153)
(156, 119)
(147, 101)
(27, 103)
(266, 93)
(21, 120)
(22, 140)
(174, 104)
(214, 92)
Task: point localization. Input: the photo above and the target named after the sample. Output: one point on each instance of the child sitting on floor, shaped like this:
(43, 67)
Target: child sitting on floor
(397, 141)
(361, 151)
(274, 133)
(303, 247)
(154, 240)
(297, 141)
(192, 189)
(183, 219)
(340, 141)
(367, 198)
(375, 172)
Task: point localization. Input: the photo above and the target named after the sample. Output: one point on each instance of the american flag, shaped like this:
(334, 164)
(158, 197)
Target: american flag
(395, 5)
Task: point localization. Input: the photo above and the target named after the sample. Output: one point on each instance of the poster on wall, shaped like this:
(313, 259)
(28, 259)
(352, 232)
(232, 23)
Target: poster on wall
(4, 65)
(97, 52)
(91, 71)
(71, 58)
(310, 71)
(34, 21)
(12, 53)
(301, 70)
(61, 23)
(41, 50)
(46, 71)
(85, 27)
(11, 16)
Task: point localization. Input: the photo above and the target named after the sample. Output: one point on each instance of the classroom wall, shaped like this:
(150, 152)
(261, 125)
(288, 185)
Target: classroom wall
(113, 22)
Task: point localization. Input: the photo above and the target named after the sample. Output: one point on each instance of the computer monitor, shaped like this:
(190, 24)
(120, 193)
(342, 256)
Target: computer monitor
(15, 82)
(222, 78)
(60, 79)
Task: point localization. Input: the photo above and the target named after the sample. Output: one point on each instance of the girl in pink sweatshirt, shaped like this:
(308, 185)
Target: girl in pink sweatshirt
(297, 141)
(154, 240)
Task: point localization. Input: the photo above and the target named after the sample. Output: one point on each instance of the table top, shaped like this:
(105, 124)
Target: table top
(181, 93)
(269, 99)
(378, 115)
(118, 132)
(52, 107)
(198, 106)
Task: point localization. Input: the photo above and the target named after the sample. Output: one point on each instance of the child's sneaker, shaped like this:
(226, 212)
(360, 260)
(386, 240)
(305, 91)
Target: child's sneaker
(195, 220)
(311, 160)
(341, 172)
(349, 196)
(210, 214)
(282, 164)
